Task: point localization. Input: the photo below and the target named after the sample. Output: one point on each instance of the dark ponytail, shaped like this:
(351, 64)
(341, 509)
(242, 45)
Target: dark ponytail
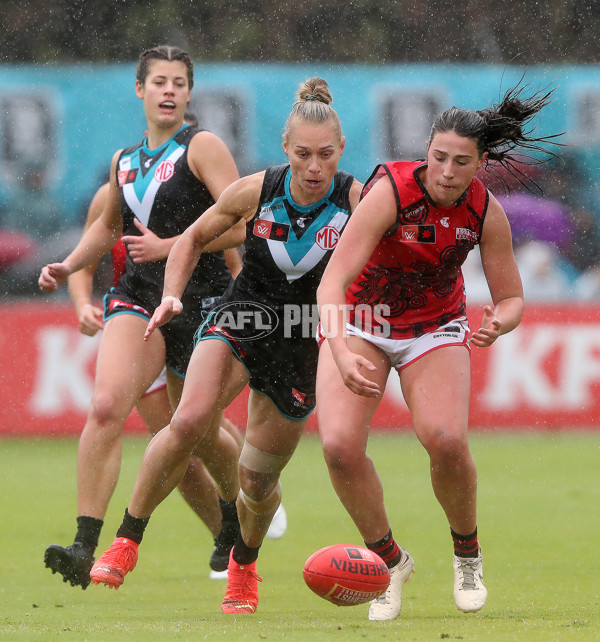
(503, 128)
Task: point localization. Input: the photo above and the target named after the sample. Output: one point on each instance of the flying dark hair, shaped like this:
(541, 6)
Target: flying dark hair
(501, 129)
(163, 52)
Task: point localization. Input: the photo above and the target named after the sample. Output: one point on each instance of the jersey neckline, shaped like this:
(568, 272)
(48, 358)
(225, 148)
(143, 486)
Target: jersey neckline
(153, 152)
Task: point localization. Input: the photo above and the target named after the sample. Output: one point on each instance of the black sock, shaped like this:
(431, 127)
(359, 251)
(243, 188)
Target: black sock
(465, 545)
(228, 511)
(88, 531)
(243, 554)
(387, 549)
(133, 527)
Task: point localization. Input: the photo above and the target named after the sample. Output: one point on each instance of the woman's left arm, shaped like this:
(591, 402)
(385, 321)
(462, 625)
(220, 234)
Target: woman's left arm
(211, 162)
(502, 275)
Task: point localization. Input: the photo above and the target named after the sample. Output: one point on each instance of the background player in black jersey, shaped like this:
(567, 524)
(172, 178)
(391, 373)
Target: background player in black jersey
(154, 407)
(294, 214)
(168, 180)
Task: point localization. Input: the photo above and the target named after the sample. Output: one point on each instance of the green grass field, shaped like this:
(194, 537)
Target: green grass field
(539, 524)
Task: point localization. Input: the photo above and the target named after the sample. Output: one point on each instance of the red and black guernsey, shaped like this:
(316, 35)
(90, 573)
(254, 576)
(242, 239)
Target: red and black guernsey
(119, 256)
(415, 270)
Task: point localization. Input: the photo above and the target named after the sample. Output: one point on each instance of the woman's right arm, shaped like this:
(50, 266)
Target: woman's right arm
(238, 201)
(96, 241)
(81, 283)
(373, 217)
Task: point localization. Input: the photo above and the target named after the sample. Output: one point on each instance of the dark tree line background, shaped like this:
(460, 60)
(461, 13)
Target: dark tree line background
(551, 31)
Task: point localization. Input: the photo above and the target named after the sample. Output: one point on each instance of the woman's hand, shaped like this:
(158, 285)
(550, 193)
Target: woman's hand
(90, 319)
(168, 308)
(147, 247)
(52, 275)
(350, 364)
(489, 331)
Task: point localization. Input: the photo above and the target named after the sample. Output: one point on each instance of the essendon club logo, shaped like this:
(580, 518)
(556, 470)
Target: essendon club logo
(271, 230)
(418, 233)
(327, 237)
(164, 171)
(125, 176)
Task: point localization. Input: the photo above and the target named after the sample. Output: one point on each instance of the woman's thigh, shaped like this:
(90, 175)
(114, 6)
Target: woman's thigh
(342, 414)
(436, 389)
(127, 365)
(214, 378)
(270, 431)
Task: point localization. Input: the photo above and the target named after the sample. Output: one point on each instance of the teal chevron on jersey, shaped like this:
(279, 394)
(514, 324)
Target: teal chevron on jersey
(159, 189)
(319, 215)
(141, 193)
(281, 272)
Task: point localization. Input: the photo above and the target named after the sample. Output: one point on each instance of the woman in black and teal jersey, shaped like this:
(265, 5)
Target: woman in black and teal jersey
(163, 184)
(261, 334)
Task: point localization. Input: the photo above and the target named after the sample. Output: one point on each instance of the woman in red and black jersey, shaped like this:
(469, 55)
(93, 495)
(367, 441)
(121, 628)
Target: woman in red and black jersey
(397, 268)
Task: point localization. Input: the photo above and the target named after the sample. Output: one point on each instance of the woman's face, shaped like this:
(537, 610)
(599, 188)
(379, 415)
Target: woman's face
(165, 92)
(452, 161)
(313, 152)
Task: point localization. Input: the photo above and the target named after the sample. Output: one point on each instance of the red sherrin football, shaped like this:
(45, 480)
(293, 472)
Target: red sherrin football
(346, 574)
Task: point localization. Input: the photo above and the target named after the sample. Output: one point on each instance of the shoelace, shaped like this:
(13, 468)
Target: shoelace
(467, 568)
(384, 597)
(241, 580)
(120, 556)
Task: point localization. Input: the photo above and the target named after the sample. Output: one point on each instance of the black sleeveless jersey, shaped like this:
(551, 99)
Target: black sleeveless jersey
(288, 245)
(158, 188)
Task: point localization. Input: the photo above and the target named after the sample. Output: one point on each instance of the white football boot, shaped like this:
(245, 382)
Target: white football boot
(469, 592)
(278, 524)
(388, 605)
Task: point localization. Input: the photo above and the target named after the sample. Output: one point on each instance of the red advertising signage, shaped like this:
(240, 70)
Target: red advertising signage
(545, 375)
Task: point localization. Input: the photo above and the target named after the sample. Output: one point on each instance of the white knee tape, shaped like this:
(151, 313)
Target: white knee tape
(266, 505)
(259, 461)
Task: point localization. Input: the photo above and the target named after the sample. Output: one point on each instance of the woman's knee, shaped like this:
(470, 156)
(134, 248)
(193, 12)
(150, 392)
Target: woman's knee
(341, 453)
(106, 412)
(190, 424)
(258, 486)
(446, 446)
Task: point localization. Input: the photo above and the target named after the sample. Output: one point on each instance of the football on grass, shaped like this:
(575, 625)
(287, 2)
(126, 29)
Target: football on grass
(346, 575)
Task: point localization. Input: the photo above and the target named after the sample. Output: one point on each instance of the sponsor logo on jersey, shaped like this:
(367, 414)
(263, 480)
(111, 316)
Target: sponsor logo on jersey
(418, 233)
(164, 171)
(465, 234)
(125, 176)
(415, 213)
(327, 237)
(271, 230)
(444, 221)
